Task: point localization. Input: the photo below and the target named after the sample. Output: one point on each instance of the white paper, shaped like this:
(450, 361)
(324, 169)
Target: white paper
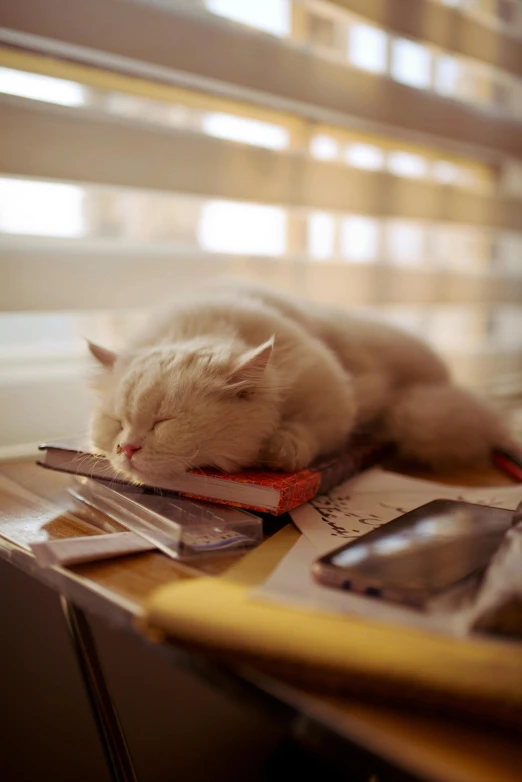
(351, 510)
(376, 497)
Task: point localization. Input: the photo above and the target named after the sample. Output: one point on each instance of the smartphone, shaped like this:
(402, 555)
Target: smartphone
(419, 555)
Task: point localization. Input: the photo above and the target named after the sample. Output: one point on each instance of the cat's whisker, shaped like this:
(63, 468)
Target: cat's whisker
(80, 461)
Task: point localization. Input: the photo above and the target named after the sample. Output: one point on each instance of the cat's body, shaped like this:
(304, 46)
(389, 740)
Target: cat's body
(235, 375)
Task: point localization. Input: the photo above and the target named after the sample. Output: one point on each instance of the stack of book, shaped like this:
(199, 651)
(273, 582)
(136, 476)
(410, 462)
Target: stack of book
(215, 513)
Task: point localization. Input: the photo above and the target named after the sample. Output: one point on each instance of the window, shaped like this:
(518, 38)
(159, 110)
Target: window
(364, 156)
(360, 238)
(448, 72)
(172, 207)
(252, 229)
(324, 148)
(321, 235)
(367, 48)
(162, 112)
(271, 16)
(461, 248)
(145, 109)
(40, 208)
(405, 242)
(444, 172)
(406, 164)
(248, 131)
(39, 87)
(411, 63)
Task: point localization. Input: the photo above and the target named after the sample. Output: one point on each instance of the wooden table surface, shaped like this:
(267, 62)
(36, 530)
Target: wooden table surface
(35, 506)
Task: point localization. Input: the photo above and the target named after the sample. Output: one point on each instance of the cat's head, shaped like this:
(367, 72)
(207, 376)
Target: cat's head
(163, 410)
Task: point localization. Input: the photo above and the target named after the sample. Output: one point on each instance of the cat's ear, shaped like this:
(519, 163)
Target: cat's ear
(251, 366)
(104, 356)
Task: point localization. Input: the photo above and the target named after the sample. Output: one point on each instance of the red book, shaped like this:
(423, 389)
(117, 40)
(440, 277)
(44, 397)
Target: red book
(260, 490)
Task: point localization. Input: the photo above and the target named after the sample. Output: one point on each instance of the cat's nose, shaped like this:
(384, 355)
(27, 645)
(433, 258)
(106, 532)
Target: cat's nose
(129, 450)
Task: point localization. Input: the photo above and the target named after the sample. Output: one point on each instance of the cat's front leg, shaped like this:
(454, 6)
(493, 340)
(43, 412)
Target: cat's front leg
(291, 447)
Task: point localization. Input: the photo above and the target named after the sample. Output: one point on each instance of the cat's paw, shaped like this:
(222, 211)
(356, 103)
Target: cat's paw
(288, 449)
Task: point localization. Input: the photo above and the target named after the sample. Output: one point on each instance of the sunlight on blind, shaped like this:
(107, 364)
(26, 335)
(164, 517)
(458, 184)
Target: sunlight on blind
(219, 124)
(38, 87)
(328, 29)
(509, 254)
(359, 238)
(447, 74)
(411, 63)
(242, 228)
(41, 208)
(270, 16)
(115, 219)
(324, 148)
(405, 242)
(248, 131)
(445, 172)
(145, 109)
(321, 235)
(406, 164)
(328, 146)
(364, 156)
(367, 48)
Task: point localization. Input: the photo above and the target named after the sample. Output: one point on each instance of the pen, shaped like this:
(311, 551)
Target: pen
(509, 463)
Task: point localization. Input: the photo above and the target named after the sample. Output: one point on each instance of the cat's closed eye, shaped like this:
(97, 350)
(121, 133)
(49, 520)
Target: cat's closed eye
(160, 421)
(112, 420)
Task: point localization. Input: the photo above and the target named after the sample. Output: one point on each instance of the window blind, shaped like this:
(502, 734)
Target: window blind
(367, 154)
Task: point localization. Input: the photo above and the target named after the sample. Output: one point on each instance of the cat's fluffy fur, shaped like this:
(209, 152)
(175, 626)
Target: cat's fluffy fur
(234, 375)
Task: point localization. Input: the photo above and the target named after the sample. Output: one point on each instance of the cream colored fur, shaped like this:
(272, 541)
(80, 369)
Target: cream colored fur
(233, 375)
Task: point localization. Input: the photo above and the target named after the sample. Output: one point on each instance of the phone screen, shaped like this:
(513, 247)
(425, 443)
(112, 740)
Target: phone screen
(420, 554)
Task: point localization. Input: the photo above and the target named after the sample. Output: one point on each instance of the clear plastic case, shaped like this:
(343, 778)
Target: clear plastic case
(181, 528)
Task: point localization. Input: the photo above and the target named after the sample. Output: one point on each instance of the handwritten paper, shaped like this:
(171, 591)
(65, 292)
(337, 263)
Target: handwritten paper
(376, 497)
(350, 510)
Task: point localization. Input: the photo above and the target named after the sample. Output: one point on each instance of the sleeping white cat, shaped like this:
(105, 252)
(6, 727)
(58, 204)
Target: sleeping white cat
(233, 375)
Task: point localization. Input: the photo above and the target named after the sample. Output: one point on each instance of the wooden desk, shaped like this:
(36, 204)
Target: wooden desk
(385, 738)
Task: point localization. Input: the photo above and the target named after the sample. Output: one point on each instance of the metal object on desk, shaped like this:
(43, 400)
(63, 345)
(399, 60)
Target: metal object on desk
(497, 607)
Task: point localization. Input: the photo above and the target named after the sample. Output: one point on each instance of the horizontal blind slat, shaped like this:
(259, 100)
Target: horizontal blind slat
(233, 55)
(43, 140)
(50, 281)
(444, 26)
